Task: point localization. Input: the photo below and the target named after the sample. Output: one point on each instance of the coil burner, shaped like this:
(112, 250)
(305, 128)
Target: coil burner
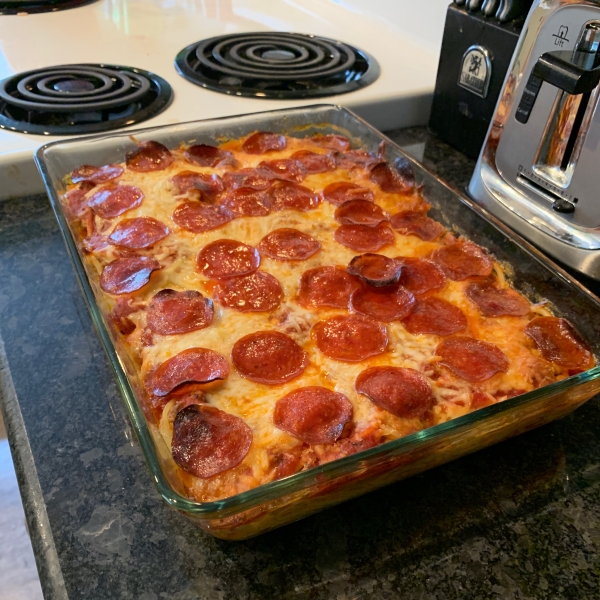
(75, 99)
(276, 65)
(16, 7)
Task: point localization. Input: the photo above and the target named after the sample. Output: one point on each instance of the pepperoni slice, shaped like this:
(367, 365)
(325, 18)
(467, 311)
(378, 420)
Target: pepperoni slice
(333, 142)
(246, 202)
(435, 316)
(285, 169)
(412, 222)
(208, 441)
(405, 393)
(375, 269)
(314, 415)
(343, 191)
(314, 162)
(119, 316)
(76, 200)
(356, 159)
(420, 275)
(94, 243)
(141, 232)
(194, 365)
(264, 141)
(360, 212)
(384, 304)
(113, 200)
(472, 359)
(288, 244)
(285, 195)
(149, 156)
(257, 179)
(210, 185)
(362, 238)
(560, 343)
(126, 275)
(198, 217)
(171, 312)
(268, 357)
(96, 174)
(326, 286)
(350, 338)
(394, 179)
(258, 292)
(497, 302)
(463, 259)
(204, 155)
(227, 258)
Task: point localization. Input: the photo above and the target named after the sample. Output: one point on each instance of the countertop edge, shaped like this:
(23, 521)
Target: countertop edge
(38, 524)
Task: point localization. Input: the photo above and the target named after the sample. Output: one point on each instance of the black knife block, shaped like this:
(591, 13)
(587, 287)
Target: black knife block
(459, 116)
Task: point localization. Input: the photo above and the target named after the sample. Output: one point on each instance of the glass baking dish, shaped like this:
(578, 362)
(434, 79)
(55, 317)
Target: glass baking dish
(279, 502)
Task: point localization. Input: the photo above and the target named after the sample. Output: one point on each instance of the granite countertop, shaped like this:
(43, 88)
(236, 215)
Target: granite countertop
(520, 520)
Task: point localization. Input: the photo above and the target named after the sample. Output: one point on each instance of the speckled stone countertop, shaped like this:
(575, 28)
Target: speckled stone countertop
(520, 520)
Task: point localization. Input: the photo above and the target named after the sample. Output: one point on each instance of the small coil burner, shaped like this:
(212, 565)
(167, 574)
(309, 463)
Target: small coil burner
(75, 99)
(15, 7)
(276, 65)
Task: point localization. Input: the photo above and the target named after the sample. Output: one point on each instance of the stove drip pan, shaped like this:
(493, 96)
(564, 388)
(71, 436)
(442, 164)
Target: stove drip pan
(16, 7)
(82, 98)
(276, 65)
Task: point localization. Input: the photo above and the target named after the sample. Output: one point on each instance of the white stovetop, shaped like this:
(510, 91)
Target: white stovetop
(403, 35)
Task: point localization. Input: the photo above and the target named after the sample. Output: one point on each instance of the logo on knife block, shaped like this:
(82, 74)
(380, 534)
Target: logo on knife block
(476, 70)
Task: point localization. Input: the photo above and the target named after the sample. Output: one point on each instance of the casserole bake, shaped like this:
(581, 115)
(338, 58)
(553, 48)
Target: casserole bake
(234, 507)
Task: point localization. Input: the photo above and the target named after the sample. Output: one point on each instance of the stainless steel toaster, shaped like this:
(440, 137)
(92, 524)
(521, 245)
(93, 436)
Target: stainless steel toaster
(539, 168)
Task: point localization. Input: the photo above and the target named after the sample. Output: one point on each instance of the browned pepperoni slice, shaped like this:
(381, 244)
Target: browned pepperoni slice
(326, 286)
(149, 156)
(343, 191)
(288, 244)
(333, 142)
(395, 179)
(227, 258)
(208, 441)
(113, 200)
(362, 238)
(126, 275)
(198, 217)
(286, 195)
(246, 202)
(96, 174)
(405, 393)
(560, 343)
(141, 232)
(194, 365)
(350, 338)
(268, 357)
(119, 316)
(314, 415)
(257, 292)
(204, 155)
(171, 312)
(497, 302)
(463, 259)
(285, 169)
(360, 212)
(384, 304)
(435, 316)
(412, 222)
(210, 185)
(420, 275)
(356, 159)
(472, 359)
(375, 269)
(76, 200)
(257, 179)
(264, 141)
(313, 162)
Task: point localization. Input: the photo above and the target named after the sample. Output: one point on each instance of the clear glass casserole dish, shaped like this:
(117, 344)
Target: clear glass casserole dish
(279, 502)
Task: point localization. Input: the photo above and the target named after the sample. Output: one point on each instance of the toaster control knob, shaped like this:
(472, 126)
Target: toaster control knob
(563, 206)
(528, 98)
